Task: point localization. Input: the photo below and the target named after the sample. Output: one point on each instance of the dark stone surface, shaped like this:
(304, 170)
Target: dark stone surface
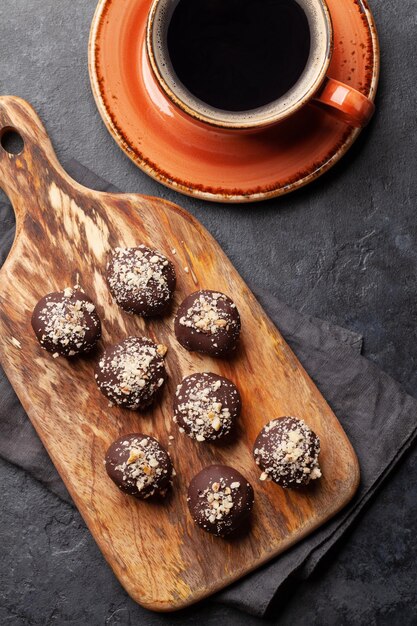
(343, 249)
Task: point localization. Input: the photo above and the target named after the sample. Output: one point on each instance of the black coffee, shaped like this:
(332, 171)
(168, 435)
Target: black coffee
(238, 54)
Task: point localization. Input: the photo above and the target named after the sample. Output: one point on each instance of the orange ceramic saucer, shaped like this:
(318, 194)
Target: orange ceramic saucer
(218, 165)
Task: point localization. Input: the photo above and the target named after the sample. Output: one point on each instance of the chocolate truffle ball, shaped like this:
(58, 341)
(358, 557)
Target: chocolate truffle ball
(206, 406)
(208, 322)
(139, 466)
(287, 451)
(66, 323)
(131, 372)
(141, 280)
(220, 499)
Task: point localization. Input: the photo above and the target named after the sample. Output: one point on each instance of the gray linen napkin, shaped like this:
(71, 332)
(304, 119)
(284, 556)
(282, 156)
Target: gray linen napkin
(378, 417)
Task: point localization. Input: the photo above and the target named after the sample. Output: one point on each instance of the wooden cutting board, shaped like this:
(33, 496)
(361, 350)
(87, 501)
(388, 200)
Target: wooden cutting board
(64, 233)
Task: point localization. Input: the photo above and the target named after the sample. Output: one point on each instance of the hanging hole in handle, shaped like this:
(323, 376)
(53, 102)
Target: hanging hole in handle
(11, 141)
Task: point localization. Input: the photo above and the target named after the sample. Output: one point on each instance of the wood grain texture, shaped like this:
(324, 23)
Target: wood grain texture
(64, 231)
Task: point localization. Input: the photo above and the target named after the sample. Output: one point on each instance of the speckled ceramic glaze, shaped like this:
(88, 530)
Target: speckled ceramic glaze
(209, 162)
(308, 83)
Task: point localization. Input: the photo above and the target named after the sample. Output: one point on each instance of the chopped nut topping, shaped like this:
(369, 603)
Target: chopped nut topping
(315, 473)
(288, 452)
(66, 323)
(134, 456)
(218, 499)
(199, 410)
(132, 368)
(145, 464)
(138, 272)
(216, 423)
(221, 323)
(206, 315)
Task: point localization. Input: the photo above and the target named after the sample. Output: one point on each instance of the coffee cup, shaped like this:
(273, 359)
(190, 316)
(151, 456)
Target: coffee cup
(301, 27)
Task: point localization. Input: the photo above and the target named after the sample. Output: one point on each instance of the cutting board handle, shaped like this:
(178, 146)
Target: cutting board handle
(26, 174)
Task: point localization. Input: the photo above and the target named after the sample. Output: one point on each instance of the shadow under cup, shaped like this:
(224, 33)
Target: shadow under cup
(316, 14)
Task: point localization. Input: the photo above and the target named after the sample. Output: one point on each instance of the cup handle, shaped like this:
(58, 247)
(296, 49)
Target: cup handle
(344, 103)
